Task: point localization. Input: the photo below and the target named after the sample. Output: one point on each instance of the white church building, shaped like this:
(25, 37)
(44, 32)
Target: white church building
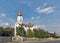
(20, 23)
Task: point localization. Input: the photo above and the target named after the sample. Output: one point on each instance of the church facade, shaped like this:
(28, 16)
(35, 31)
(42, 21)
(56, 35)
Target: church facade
(20, 23)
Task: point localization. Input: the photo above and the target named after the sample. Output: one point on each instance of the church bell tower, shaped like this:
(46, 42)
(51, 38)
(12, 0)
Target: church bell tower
(19, 21)
(19, 18)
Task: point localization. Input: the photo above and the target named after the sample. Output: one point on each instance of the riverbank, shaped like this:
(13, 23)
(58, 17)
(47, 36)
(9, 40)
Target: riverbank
(55, 41)
(34, 39)
(41, 39)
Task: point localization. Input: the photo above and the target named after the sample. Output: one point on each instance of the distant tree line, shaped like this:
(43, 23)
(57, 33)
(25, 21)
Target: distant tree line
(36, 33)
(6, 31)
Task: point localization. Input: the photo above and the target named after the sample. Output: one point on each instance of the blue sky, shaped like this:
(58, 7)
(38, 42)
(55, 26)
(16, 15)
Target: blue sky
(45, 13)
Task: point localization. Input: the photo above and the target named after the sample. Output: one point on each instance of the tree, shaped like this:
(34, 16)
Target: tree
(35, 33)
(46, 34)
(21, 31)
(6, 31)
(1, 31)
(40, 33)
(29, 33)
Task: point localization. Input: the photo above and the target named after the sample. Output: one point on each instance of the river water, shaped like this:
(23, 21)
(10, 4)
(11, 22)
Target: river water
(57, 41)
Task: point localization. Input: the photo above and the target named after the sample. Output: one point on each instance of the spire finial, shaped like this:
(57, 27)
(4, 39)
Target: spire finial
(19, 13)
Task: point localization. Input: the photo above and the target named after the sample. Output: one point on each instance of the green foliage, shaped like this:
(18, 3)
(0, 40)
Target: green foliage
(40, 33)
(29, 33)
(21, 31)
(6, 31)
(37, 33)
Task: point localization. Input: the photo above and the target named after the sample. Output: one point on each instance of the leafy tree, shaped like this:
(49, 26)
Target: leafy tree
(21, 31)
(6, 31)
(40, 33)
(29, 33)
(46, 35)
(35, 33)
(1, 30)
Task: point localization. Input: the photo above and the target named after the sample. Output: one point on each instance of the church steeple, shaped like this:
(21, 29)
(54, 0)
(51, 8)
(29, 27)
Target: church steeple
(19, 18)
(19, 12)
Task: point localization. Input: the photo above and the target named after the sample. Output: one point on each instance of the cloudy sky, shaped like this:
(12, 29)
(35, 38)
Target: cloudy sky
(45, 13)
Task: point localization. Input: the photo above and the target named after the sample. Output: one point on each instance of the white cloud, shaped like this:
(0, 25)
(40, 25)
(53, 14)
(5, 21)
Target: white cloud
(37, 17)
(6, 24)
(45, 10)
(51, 27)
(3, 15)
(32, 17)
(37, 9)
(41, 26)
